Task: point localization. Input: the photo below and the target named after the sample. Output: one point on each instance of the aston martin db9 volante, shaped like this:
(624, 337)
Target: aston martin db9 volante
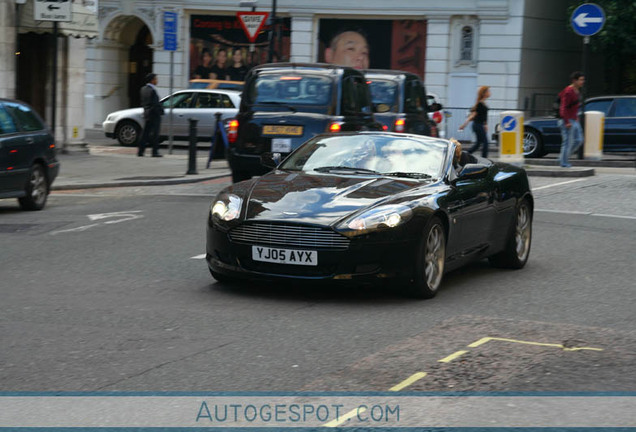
(371, 206)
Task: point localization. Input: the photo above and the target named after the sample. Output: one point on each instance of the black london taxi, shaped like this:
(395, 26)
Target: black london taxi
(285, 104)
(400, 102)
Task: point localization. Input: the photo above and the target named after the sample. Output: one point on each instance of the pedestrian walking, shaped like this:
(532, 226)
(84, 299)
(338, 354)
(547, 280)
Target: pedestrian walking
(479, 116)
(152, 116)
(571, 131)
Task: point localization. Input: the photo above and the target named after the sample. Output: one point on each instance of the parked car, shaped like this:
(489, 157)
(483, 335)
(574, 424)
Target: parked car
(201, 104)
(400, 102)
(542, 135)
(437, 116)
(284, 104)
(371, 207)
(28, 163)
(204, 83)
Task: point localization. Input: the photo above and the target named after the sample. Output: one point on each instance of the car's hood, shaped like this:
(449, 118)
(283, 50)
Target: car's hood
(318, 198)
(130, 112)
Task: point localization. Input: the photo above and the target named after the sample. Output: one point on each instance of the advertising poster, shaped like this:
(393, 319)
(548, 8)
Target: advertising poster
(220, 49)
(374, 44)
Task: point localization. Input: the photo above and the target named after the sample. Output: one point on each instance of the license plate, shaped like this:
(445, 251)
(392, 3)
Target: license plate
(285, 256)
(281, 145)
(282, 130)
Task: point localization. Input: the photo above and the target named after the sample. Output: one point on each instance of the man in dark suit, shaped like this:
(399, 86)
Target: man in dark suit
(152, 116)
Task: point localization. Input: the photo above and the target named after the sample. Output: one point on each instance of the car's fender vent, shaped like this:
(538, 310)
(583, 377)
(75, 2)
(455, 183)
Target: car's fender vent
(289, 236)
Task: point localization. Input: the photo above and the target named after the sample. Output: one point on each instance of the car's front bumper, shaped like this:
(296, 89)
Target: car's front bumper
(365, 260)
(109, 128)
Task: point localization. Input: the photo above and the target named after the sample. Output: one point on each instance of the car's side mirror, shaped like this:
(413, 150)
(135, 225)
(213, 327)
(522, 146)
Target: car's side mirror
(435, 106)
(270, 160)
(473, 171)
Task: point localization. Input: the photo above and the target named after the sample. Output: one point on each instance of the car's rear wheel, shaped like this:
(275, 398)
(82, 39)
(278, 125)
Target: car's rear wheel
(517, 250)
(532, 144)
(36, 189)
(431, 259)
(128, 133)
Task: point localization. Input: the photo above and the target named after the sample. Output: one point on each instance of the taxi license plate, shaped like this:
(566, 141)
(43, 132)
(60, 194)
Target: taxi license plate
(282, 130)
(285, 256)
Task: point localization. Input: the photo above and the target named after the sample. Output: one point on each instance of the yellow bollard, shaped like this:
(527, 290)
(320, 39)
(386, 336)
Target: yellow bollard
(594, 131)
(511, 137)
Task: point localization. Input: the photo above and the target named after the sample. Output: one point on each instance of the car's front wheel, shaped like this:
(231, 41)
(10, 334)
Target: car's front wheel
(36, 190)
(517, 250)
(532, 144)
(431, 259)
(128, 133)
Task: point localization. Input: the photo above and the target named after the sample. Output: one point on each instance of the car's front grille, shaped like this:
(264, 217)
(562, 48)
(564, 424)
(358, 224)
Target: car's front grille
(289, 236)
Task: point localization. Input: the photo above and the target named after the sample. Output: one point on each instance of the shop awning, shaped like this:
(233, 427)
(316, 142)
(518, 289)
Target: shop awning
(84, 23)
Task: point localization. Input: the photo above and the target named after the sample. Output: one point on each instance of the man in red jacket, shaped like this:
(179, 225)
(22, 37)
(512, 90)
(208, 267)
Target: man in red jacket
(571, 131)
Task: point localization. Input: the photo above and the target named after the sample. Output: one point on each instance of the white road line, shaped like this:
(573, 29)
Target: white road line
(559, 184)
(202, 256)
(586, 214)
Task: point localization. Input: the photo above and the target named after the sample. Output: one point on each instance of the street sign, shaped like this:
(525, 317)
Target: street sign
(170, 21)
(52, 10)
(588, 19)
(252, 23)
(508, 123)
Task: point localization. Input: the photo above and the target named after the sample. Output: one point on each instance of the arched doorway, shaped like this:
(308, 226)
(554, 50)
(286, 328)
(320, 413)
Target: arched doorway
(140, 61)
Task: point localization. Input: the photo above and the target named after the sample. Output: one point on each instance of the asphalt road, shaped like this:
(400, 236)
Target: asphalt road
(106, 290)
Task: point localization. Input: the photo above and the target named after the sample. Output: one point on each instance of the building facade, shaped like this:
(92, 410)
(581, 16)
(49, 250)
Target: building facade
(520, 48)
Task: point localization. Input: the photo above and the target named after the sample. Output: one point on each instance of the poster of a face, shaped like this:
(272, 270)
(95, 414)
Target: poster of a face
(220, 49)
(374, 44)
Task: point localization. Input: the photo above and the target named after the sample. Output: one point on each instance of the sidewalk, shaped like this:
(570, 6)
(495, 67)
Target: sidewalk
(114, 166)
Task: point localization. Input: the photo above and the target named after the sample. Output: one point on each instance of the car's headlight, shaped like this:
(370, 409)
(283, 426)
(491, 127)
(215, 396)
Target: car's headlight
(388, 216)
(226, 207)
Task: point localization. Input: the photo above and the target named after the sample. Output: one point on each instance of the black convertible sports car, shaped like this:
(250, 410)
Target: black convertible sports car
(371, 206)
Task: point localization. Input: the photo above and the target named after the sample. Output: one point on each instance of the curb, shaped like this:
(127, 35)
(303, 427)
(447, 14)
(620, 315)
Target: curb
(559, 172)
(584, 163)
(129, 183)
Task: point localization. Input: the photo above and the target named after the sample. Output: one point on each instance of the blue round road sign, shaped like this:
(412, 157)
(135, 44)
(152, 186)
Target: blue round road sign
(588, 19)
(509, 123)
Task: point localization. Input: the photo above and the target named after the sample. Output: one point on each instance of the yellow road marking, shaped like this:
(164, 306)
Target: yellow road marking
(407, 382)
(452, 357)
(337, 422)
(487, 339)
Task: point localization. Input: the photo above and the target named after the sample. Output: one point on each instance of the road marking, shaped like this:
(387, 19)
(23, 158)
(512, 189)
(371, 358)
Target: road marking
(407, 382)
(564, 348)
(585, 214)
(78, 229)
(121, 216)
(558, 184)
(346, 417)
(452, 357)
(202, 256)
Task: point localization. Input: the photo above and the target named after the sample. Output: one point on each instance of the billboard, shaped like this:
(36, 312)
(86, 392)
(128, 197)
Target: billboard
(220, 49)
(375, 44)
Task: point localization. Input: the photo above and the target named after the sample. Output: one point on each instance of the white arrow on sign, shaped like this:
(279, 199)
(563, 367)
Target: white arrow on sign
(582, 20)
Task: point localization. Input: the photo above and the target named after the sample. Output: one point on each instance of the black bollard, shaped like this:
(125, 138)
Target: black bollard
(192, 149)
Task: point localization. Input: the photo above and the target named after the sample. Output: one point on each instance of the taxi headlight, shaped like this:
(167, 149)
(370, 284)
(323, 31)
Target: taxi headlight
(383, 217)
(226, 208)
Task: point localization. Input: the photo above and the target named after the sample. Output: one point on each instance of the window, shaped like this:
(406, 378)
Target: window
(413, 97)
(208, 100)
(226, 102)
(599, 105)
(466, 44)
(625, 107)
(180, 100)
(27, 119)
(7, 125)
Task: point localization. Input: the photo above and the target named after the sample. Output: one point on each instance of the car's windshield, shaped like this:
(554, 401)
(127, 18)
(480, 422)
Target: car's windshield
(289, 89)
(384, 95)
(385, 154)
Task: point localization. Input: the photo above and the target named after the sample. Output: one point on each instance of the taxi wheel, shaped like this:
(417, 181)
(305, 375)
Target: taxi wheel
(517, 250)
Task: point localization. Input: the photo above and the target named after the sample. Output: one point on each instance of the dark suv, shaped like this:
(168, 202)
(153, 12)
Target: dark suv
(28, 163)
(400, 102)
(285, 104)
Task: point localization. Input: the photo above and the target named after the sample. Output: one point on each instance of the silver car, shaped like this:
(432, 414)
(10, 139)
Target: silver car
(201, 104)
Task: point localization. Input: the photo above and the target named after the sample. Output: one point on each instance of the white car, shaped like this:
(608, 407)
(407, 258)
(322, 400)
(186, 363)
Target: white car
(201, 104)
(436, 116)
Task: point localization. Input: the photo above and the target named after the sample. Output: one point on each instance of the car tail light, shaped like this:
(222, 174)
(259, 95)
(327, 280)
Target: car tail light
(399, 125)
(232, 132)
(334, 127)
(437, 116)
(385, 128)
